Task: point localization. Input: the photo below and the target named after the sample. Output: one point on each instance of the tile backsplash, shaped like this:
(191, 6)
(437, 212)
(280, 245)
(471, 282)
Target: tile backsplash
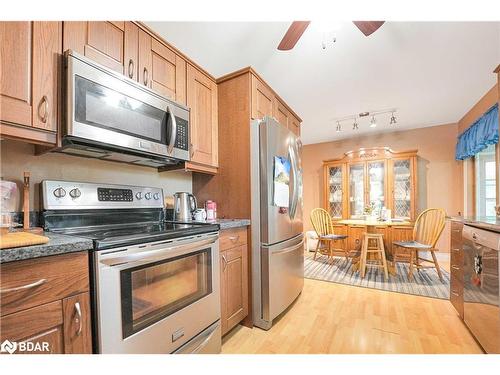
(17, 157)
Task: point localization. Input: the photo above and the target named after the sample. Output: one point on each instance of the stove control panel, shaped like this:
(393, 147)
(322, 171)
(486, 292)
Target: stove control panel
(83, 195)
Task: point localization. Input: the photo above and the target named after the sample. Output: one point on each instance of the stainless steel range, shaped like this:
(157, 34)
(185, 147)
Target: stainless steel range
(155, 284)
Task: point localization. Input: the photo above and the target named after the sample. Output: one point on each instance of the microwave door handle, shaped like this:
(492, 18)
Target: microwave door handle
(173, 133)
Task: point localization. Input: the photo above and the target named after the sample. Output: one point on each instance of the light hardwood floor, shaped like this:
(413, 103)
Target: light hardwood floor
(335, 318)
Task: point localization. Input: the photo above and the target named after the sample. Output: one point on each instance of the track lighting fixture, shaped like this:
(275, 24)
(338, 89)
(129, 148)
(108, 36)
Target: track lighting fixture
(373, 122)
(339, 127)
(393, 119)
(355, 125)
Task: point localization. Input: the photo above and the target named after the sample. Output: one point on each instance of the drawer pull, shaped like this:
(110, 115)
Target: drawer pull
(24, 287)
(225, 262)
(234, 238)
(78, 318)
(131, 68)
(455, 293)
(456, 249)
(455, 267)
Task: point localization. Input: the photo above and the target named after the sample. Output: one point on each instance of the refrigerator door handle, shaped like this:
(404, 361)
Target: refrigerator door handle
(293, 162)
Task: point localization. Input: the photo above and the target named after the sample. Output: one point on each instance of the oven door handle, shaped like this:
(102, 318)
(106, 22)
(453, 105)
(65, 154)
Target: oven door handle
(173, 133)
(132, 260)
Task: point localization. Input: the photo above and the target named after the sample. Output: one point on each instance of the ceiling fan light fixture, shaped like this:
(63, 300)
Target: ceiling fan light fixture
(373, 122)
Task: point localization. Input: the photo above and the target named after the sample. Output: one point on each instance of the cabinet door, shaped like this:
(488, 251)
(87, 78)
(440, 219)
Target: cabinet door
(131, 51)
(335, 190)
(357, 198)
(294, 126)
(234, 283)
(47, 38)
(77, 331)
(355, 238)
(144, 58)
(281, 113)
(202, 99)
(101, 41)
(340, 229)
(262, 99)
(167, 71)
(403, 188)
(376, 179)
(42, 325)
(15, 83)
(387, 232)
(401, 233)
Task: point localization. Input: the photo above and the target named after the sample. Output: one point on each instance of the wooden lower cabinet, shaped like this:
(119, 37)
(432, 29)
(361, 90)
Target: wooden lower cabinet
(355, 236)
(233, 279)
(59, 319)
(456, 268)
(401, 233)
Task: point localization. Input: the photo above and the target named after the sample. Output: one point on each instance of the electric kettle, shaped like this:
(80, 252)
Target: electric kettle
(184, 206)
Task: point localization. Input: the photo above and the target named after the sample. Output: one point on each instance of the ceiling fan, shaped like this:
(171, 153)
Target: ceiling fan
(297, 28)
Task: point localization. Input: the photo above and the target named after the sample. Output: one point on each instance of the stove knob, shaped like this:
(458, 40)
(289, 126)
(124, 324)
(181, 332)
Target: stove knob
(156, 196)
(147, 196)
(75, 193)
(138, 195)
(59, 192)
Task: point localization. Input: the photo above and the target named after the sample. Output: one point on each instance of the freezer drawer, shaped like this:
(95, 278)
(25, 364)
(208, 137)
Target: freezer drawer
(282, 276)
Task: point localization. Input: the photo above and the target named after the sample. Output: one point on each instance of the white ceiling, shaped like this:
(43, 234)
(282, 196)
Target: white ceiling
(433, 72)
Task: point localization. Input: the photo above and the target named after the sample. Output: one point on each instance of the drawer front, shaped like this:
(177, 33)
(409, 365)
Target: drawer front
(457, 294)
(456, 231)
(456, 257)
(457, 272)
(33, 282)
(234, 237)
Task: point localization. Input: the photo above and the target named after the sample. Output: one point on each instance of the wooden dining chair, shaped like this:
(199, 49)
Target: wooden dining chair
(428, 227)
(323, 225)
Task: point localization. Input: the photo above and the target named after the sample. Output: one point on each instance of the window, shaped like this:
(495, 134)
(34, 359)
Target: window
(484, 165)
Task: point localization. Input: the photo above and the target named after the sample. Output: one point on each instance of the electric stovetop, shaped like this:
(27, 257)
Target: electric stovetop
(112, 236)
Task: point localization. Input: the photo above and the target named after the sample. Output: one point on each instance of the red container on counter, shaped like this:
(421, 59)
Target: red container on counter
(211, 208)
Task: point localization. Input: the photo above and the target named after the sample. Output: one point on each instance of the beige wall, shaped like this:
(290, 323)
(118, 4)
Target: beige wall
(17, 157)
(438, 172)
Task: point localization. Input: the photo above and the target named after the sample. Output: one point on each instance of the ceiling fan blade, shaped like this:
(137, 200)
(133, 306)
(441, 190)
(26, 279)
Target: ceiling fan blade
(293, 35)
(368, 27)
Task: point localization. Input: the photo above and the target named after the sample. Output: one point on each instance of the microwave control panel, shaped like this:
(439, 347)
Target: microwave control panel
(182, 140)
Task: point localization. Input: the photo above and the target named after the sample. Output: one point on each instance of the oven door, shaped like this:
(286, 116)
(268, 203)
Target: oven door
(154, 298)
(107, 108)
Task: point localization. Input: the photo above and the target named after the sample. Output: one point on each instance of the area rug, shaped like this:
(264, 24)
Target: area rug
(425, 282)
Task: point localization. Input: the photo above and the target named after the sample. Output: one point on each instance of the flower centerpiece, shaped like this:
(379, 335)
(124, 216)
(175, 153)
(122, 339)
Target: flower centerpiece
(369, 212)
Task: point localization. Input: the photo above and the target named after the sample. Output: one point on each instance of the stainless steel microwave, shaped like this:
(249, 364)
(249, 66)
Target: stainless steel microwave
(111, 117)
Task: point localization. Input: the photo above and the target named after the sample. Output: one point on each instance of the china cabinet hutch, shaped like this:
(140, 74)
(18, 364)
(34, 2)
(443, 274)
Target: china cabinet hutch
(376, 177)
(379, 177)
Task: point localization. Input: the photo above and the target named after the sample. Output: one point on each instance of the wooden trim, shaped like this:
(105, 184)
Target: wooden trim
(374, 153)
(497, 69)
(252, 71)
(177, 51)
(27, 134)
(190, 167)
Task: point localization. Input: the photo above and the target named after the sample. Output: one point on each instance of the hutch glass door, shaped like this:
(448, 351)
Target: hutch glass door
(335, 198)
(402, 188)
(356, 190)
(376, 183)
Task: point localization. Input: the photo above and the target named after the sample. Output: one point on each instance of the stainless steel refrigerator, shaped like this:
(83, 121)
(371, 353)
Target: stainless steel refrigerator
(277, 229)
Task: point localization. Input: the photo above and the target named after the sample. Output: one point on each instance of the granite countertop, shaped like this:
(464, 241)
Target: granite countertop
(485, 222)
(58, 244)
(229, 223)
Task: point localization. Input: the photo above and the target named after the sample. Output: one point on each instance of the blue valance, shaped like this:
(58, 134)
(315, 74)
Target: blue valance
(481, 134)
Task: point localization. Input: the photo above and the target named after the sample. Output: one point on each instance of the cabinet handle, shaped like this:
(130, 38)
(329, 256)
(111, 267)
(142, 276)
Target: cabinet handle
(78, 319)
(455, 293)
(192, 149)
(24, 287)
(225, 262)
(455, 267)
(145, 76)
(456, 249)
(45, 103)
(131, 68)
(234, 238)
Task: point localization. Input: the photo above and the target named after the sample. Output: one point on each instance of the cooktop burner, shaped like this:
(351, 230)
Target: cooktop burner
(106, 237)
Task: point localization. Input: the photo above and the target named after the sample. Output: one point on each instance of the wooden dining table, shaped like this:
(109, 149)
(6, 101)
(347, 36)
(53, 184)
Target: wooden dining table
(384, 227)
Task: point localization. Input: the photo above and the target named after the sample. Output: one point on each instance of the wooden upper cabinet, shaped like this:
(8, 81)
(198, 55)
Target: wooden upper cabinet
(131, 51)
(144, 68)
(30, 59)
(262, 99)
(202, 100)
(101, 41)
(294, 125)
(281, 113)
